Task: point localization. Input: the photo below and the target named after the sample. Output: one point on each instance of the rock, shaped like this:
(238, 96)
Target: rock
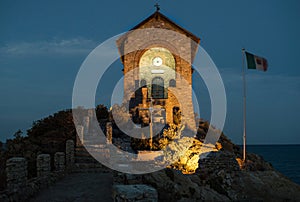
(220, 178)
(138, 192)
(211, 195)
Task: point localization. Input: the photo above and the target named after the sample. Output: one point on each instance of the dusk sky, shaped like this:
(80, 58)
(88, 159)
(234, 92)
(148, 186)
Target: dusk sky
(43, 44)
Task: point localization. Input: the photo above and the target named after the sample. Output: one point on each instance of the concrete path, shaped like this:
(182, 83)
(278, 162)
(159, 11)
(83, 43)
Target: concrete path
(79, 187)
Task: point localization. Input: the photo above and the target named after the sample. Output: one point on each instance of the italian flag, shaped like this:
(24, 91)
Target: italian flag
(256, 62)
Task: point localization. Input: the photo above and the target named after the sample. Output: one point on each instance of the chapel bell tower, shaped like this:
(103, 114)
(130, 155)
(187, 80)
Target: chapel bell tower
(157, 56)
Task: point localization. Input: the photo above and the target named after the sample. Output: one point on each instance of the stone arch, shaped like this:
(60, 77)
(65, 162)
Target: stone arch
(157, 43)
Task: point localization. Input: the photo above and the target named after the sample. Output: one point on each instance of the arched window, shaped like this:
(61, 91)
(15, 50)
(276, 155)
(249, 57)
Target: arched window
(172, 83)
(157, 88)
(143, 83)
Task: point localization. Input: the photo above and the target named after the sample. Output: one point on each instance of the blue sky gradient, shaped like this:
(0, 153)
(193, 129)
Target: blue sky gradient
(43, 44)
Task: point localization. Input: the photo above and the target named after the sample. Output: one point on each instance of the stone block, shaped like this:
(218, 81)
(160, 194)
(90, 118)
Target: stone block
(137, 192)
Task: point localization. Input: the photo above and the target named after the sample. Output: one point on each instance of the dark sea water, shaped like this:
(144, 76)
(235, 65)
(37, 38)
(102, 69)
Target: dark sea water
(284, 158)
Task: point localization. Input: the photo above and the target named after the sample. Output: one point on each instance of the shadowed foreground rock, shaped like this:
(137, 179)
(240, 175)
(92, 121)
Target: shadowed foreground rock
(219, 177)
(137, 192)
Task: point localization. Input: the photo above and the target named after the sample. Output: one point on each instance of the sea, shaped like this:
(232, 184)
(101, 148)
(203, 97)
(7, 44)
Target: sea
(284, 158)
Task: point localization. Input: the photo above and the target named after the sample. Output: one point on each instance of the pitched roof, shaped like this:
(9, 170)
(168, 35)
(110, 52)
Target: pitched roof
(158, 16)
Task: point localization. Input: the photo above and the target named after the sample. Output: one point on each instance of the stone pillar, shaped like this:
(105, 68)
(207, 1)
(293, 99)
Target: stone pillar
(70, 158)
(91, 114)
(93, 122)
(43, 166)
(109, 133)
(59, 161)
(16, 171)
(80, 135)
(86, 125)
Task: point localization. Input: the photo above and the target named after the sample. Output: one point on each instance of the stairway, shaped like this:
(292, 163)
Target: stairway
(84, 162)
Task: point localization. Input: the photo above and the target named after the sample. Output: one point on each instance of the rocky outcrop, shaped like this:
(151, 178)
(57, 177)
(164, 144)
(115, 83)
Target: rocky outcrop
(137, 192)
(218, 178)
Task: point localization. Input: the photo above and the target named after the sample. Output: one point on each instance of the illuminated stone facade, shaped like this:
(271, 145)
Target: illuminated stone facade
(157, 55)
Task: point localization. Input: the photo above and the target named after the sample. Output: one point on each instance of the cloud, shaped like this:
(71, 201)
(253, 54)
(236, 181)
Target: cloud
(254, 76)
(74, 46)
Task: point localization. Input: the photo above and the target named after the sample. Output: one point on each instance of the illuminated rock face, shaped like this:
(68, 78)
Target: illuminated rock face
(156, 60)
(187, 160)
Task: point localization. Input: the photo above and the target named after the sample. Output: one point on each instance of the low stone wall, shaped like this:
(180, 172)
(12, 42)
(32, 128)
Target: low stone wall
(70, 154)
(19, 188)
(31, 187)
(43, 165)
(16, 169)
(59, 161)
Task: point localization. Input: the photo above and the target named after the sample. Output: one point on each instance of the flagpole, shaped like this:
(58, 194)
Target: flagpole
(244, 103)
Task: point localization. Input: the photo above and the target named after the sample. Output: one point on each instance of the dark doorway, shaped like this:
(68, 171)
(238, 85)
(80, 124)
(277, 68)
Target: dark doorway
(176, 115)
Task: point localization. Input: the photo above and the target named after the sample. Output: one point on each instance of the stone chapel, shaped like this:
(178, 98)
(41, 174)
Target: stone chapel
(155, 64)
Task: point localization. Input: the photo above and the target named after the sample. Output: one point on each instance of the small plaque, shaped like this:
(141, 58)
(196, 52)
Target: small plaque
(157, 71)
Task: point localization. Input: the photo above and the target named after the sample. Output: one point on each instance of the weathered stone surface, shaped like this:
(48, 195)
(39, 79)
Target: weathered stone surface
(43, 166)
(59, 161)
(137, 192)
(28, 190)
(218, 178)
(16, 172)
(70, 157)
(86, 125)
(80, 135)
(109, 132)
(185, 154)
(174, 45)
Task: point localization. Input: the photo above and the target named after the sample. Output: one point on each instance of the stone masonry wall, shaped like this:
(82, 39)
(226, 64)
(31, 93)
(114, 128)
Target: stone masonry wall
(183, 49)
(43, 165)
(16, 169)
(59, 161)
(70, 154)
(19, 188)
